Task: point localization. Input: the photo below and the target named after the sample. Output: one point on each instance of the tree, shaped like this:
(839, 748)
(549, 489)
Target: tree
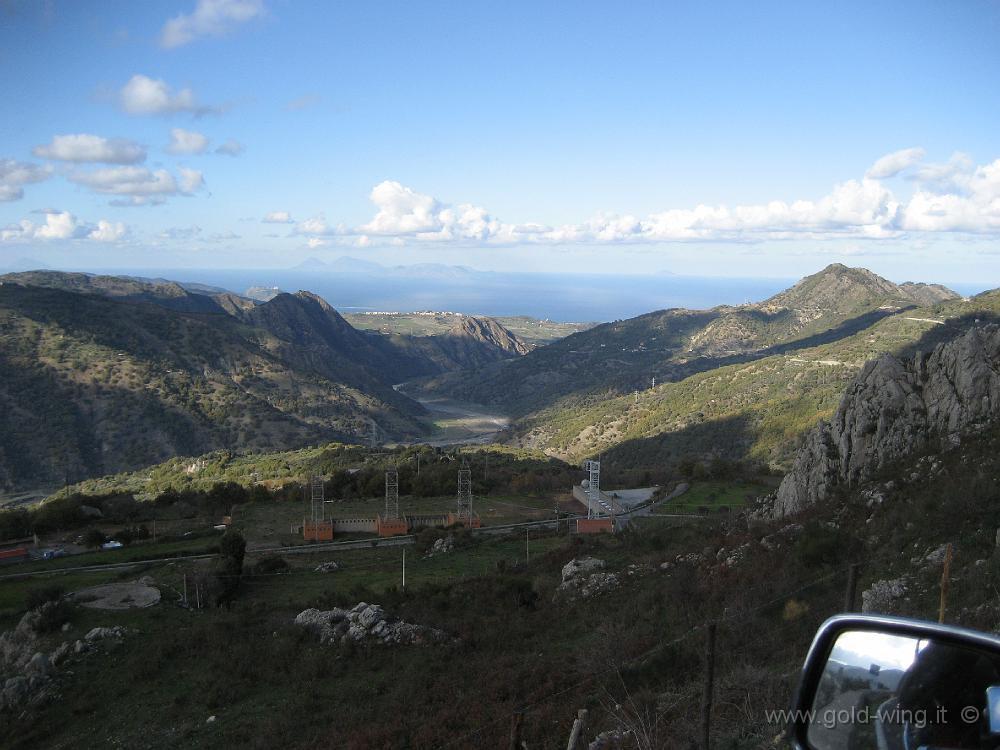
(229, 567)
(94, 538)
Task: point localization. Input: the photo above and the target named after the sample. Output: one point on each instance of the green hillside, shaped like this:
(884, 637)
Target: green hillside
(754, 410)
(621, 357)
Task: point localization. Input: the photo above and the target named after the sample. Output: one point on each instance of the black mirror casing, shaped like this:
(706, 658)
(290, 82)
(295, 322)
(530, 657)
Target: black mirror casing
(827, 635)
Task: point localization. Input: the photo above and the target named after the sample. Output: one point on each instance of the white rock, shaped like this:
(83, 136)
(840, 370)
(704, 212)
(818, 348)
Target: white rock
(581, 566)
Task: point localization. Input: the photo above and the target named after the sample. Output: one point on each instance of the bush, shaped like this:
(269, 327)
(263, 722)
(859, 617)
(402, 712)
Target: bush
(53, 615)
(94, 538)
(42, 595)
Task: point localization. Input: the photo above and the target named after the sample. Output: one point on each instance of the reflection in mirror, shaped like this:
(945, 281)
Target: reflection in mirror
(881, 691)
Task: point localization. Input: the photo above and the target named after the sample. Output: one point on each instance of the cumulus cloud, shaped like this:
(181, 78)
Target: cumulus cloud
(954, 197)
(143, 95)
(972, 206)
(62, 225)
(84, 147)
(186, 142)
(278, 217)
(892, 164)
(139, 186)
(209, 18)
(14, 175)
(231, 147)
(107, 231)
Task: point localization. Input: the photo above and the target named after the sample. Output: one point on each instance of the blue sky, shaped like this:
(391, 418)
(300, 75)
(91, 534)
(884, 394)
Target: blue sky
(721, 139)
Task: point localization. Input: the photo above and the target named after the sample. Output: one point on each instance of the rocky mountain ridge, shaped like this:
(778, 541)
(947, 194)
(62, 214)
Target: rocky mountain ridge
(895, 408)
(104, 374)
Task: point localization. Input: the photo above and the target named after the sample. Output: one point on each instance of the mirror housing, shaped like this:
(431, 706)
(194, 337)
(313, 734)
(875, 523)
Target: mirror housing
(881, 633)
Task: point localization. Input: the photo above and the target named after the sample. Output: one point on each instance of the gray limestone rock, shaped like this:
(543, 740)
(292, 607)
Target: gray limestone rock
(894, 408)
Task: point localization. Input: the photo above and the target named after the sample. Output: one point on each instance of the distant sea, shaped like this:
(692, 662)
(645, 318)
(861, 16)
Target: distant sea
(558, 297)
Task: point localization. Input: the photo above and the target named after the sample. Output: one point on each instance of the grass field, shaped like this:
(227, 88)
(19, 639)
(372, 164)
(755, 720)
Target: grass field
(714, 495)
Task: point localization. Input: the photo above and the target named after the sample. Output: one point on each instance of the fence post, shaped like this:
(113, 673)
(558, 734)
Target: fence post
(852, 588)
(706, 714)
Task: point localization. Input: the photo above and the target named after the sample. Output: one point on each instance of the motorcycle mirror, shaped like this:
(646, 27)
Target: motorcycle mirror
(890, 683)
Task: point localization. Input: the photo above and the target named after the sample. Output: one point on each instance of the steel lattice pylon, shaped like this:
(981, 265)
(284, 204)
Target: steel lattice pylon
(317, 497)
(465, 494)
(392, 494)
(593, 488)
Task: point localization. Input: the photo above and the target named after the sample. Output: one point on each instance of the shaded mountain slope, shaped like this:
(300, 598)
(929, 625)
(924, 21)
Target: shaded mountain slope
(91, 385)
(167, 294)
(102, 374)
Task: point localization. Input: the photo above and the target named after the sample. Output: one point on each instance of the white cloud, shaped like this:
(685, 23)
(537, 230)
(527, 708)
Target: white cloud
(318, 226)
(210, 18)
(191, 181)
(186, 142)
(315, 242)
(945, 177)
(180, 233)
(139, 186)
(892, 164)
(15, 174)
(231, 147)
(955, 197)
(106, 231)
(278, 217)
(62, 225)
(152, 96)
(83, 147)
(402, 211)
(972, 207)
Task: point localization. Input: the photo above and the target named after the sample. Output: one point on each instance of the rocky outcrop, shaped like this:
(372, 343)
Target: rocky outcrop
(366, 622)
(442, 546)
(895, 408)
(27, 674)
(584, 577)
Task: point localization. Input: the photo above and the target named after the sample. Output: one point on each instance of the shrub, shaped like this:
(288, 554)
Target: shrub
(42, 595)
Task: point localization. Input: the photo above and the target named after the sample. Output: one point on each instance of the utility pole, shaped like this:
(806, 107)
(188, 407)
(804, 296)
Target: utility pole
(527, 551)
(404, 568)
